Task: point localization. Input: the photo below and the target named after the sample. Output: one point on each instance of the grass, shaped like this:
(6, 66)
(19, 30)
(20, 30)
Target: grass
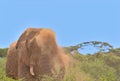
(2, 71)
(73, 74)
(104, 67)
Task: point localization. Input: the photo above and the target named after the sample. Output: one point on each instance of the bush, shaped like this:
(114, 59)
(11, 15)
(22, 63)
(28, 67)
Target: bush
(99, 70)
(3, 52)
(97, 67)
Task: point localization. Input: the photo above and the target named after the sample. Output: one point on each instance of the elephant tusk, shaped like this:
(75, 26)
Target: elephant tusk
(31, 71)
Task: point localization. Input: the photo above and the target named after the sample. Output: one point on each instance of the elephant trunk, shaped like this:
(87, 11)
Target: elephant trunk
(31, 71)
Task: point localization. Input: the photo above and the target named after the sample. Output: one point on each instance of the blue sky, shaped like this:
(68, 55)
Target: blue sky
(74, 21)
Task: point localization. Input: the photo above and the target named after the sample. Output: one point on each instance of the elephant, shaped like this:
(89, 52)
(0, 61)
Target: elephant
(39, 55)
(12, 62)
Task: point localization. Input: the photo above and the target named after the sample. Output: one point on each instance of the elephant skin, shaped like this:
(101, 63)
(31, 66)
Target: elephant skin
(39, 54)
(12, 62)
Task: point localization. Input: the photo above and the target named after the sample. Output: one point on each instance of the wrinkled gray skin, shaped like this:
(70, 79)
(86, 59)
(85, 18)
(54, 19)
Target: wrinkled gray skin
(37, 54)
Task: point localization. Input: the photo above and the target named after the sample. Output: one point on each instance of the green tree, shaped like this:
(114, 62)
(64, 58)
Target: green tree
(3, 52)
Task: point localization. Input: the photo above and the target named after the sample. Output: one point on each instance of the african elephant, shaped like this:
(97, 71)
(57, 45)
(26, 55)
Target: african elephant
(12, 62)
(39, 54)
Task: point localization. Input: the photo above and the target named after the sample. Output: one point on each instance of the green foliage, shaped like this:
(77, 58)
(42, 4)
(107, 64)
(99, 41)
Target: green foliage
(100, 66)
(115, 51)
(3, 52)
(74, 73)
(2, 71)
(48, 78)
(99, 71)
(101, 46)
